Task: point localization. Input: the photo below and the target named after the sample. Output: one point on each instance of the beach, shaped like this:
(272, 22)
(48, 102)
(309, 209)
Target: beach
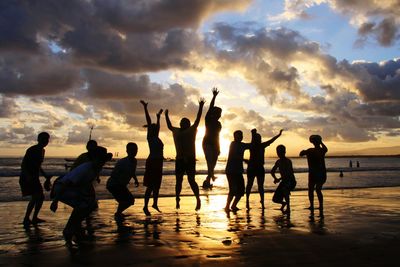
(361, 227)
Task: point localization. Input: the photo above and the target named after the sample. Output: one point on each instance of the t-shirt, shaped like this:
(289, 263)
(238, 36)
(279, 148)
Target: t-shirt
(32, 161)
(81, 176)
(257, 152)
(316, 161)
(123, 172)
(156, 147)
(234, 164)
(213, 128)
(185, 142)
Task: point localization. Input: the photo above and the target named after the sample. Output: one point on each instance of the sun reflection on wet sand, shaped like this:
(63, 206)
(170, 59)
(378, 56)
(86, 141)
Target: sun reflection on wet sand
(210, 233)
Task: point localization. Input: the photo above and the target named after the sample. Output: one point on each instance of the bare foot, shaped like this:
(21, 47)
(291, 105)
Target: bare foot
(226, 209)
(146, 211)
(234, 209)
(198, 205)
(156, 208)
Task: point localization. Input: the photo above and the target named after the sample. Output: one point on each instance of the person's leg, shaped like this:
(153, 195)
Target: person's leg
(287, 202)
(147, 196)
(29, 208)
(38, 199)
(250, 181)
(195, 189)
(155, 199)
(318, 189)
(179, 172)
(228, 202)
(235, 202)
(311, 186)
(260, 185)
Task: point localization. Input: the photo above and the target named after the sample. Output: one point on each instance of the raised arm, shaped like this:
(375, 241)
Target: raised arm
(201, 104)
(270, 141)
(158, 118)
(324, 147)
(215, 93)
(169, 125)
(148, 119)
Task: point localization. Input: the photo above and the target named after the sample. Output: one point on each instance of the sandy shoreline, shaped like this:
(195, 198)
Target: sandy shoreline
(361, 227)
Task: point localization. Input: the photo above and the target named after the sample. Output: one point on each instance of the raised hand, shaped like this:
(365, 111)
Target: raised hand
(202, 101)
(144, 103)
(160, 112)
(280, 132)
(215, 91)
(166, 112)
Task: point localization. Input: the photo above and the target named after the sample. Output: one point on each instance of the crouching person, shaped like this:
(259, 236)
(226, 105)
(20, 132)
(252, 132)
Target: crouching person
(76, 190)
(117, 184)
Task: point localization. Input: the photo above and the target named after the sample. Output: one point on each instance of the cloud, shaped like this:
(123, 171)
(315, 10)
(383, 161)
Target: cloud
(378, 19)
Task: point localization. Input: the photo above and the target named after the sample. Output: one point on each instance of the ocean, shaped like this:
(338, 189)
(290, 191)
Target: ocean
(373, 172)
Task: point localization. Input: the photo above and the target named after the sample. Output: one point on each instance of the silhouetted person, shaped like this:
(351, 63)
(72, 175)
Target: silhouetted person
(234, 171)
(154, 163)
(255, 166)
(184, 139)
(74, 189)
(87, 156)
(350, 164)
(316, 170)
(124, 170)
(91, 146)
(358, 164)
(287, 181)
(211, 139)
(31, 169)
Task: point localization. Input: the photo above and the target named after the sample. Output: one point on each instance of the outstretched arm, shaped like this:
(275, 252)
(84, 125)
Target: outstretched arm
(169, 125)
(215, 93)
(158, 118)
(270, 141)
(201, 104)
(148, 119)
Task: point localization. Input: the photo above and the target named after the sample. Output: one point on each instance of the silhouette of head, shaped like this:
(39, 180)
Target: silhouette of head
(131, 149)
(185, 123)
(216, 113)
(43, 139)
(256, 138)
(100, 155)
(90, 145)
(315, 139)
(238, 136)
(281, 151)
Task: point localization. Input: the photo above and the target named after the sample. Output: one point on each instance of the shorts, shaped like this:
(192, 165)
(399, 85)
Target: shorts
(153, 173)
(316, 179)
(187, 166)
(30, 187)
(121, 193)
(236, 184)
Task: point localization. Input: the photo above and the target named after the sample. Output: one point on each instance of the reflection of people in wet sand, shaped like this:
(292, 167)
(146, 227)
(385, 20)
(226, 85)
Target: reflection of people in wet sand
(316, 170)
(74, 189)
(154, 163)
(31, 169)
(211, 139)
(287, 181)
(123, 172)
(256, 165)
(184, 139)
(234, 171)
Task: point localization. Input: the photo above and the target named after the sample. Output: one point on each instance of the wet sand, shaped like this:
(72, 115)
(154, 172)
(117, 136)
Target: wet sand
(361, 227)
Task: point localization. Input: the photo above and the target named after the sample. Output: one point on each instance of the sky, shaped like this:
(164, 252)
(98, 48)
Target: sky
(328, 67)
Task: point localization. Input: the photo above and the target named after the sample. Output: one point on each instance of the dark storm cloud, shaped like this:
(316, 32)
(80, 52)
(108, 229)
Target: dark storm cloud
(35, 74)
